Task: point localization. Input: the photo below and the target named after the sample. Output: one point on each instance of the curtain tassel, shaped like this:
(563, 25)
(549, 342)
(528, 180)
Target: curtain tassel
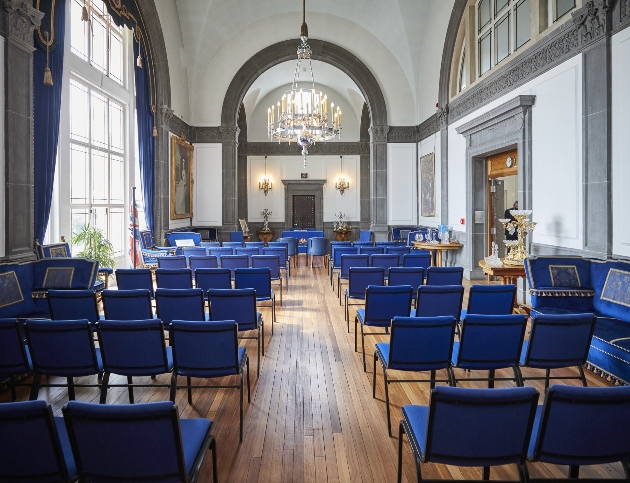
(85, 16)
(154, 131)
(48, 80)
(139, 59)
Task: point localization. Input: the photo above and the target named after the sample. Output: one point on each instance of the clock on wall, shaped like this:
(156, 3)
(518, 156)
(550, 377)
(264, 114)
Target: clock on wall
(509, 161)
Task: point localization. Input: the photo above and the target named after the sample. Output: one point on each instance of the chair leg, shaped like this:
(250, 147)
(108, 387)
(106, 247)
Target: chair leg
(248, 386)
(273, 314)
(486, 473)
(262, 329)
(582, 376)
(71, 394)
(35, 387)
(374, 378)
(258, 364)
(104, 388)
(451, 376)
(389, 421)
(432, 382)
(491, 378)
(356, 319)
(215, 473)
(12, 384)
(518, 376)
(173, 386)
(547, 374)
(130, 389)
(189, 390)
(363, 347)
(400, 451)
(240, 434)
(574, 471)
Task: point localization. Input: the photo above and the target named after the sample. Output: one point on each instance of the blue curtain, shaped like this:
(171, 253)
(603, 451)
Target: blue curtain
(47, 102)
(146, 141)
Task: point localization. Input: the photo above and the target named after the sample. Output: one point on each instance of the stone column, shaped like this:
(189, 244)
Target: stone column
(161, 203)
(229, 140)
(442, 121)
(378, 182)
(21, 19)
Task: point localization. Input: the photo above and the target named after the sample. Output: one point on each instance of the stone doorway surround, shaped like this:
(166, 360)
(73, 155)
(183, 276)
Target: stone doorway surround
(312, 187)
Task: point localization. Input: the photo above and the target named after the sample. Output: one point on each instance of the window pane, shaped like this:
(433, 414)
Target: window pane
(117, 228)
(499, 5)
(78, 38)
(502, 38)
(79, 218)
(99, 177)
(79, 109)
(523, 31)
(99, 215)
(100, 135)
(115, 58)
(485, 57)
(99, 44)
(483, 13)
(563, 6)
(117, 180)
(79, 174)
(462, 72)
(116, 126)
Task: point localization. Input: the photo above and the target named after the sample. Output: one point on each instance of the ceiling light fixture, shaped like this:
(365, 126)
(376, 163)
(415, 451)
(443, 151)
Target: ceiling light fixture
(302, 114)
(342, 184)
(265, 184)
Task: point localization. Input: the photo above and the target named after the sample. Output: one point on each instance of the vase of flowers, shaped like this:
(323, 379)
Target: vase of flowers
(341, 228)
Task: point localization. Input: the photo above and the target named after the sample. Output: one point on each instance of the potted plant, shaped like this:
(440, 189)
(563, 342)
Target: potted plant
(341, 228)
(95, 246)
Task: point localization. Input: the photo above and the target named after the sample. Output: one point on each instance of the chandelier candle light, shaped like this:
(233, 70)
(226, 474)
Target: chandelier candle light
(302, 115)
(266, 183)
(342, 184)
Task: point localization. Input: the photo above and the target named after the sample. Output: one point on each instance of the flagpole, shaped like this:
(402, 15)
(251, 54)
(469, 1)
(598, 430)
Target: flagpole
(133, 222)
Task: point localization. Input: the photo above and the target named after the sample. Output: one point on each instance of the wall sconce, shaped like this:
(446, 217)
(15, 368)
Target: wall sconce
(266, 183)
(342, 184)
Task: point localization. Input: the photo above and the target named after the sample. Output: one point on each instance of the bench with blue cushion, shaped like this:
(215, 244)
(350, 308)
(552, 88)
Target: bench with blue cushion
(565, 285)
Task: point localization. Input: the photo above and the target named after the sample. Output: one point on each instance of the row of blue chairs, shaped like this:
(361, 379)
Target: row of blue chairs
(92, 442)
(490, 427)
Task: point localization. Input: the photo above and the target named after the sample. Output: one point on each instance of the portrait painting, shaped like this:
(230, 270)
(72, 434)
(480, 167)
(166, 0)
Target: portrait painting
(427, 185)
(181, 178)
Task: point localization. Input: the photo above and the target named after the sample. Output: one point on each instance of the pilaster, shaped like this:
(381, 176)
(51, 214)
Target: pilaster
(229, 140)
(378, 180)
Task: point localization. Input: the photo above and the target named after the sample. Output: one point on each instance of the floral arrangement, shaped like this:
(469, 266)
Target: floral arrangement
(341, 225)
(265, 214)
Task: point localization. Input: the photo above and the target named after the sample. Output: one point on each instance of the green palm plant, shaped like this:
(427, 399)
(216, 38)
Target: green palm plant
(95, 246)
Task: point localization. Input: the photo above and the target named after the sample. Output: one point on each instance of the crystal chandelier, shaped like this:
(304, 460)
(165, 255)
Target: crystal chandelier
(302, 115)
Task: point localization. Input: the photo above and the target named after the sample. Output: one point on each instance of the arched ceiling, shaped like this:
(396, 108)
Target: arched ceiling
(396, 39)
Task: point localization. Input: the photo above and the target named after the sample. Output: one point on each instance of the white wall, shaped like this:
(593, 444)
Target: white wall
(290, 168)
(207, 190)
(2, 234)
(428, 146)
(401, 184)
(621, 142)
(556, 156)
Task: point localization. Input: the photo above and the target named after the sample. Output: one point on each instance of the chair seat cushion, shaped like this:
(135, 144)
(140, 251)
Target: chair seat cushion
(66, 448)
(417, 418)
(360, 296)
(194, 433)
(524, 352)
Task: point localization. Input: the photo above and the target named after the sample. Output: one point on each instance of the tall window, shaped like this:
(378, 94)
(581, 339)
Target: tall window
(462, 74)
(559, 8)
(503, 26)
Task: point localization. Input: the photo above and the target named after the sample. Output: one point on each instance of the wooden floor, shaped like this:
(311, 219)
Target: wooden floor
(312, 417)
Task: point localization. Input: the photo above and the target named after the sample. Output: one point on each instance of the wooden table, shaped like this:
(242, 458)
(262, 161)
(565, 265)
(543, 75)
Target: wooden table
(342, 235)
(507, 273)
(265, 236)
(436, 250)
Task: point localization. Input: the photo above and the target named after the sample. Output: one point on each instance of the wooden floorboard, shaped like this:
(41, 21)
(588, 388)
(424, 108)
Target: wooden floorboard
(312, 417)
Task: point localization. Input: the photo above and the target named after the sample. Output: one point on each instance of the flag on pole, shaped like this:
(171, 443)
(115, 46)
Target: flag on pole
(134, 234)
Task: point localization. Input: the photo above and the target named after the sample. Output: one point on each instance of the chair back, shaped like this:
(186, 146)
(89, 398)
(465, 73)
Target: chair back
(236, 304)
(220, 251)
(281, 252)
(363, 244)
(317, 246)
(421, 343)
(233, 262)
(415, 259)
(413, 276)
(208, 261)
(173, 278)
(258, 244)
(278, 243)
(13, 357)
(204, 349)
(144, 441)
(583, 426)
(385, 244)
(209, 244)
(130, 279)
(195, 252)
(292, 244)
(72, 305)
(175, 261)
(366, 236)
(434, 300)
(237, 236)
(33, 451)
(352, 260)
(206, 278)
(479, 427)
(257, 278)
(62, 347)
(398, 250)
(233, 244)
(382, 304)
(370, 249)
(359, 278)
(490, 341)
(444, 275)
(180, 304)
(491, 299)
(272, 262)
(249, 251)
(127, 304)
(334, 244)
(338, 251)
(146, 239)
(386, 260)
(559, 340)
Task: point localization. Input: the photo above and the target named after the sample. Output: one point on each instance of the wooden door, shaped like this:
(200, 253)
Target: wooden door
(303, 211)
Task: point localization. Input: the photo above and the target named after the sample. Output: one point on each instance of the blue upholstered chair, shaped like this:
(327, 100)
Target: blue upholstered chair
(359, 278)
(15, 359)
(233, 262)
(470, 427)
(193, 252)
(385, 244)
(207, 278)
(282, 243)
(317, 247)
(137, 442)
(583, 426)
(133, 348)
(73, 305)
(385, 260)
(416, 344)
(179, 304)
(260, 280)
(239, 305)
(37, 446)
(558, 341)
(249, 251)
(366, 236)
(370, 249)
(127, 304)
(417, 258)
(220, 251)
(335, 258)
(173, 278)
(490, 299)
(208, 350)
(283, 253)
(258, 244)
(444, 275)
(237, 236)
(233, 244)
(360, 244)
(177, 261)
(490, 342)
(348, 261)
(130, 279)
(292, 247)
(272, 262)
(435, 300)
(398, 250)
(382, 304)
(62, 348)
(209, 244)
(413, 276)
(209, 261)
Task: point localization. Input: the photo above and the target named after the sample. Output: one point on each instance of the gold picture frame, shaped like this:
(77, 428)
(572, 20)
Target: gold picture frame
(181, 178)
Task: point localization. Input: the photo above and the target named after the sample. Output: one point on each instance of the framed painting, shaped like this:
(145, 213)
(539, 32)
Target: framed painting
(181, 178)
(427, 185)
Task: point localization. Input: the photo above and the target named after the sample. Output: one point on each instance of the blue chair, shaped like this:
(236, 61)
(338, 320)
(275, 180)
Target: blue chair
(220, 251)
(316, 247)
(127, 304)
(386, 260)
(133, 348)
(334, 244)
(173, 278)
(177, 261)
(209, 261)
(130, 279)
(179, 304)
(415, 259)
(292, 246)
(366, 236)
(470, 427)
(444, 276)
(359, 278)
(360, 244)
(558, 341)
(207, 278)
(335, 258)
(272, 262)
(283, 253)
(62, 348)
(398, 250)
(149, 252)
(249, 251)
(413, 276)
(382, 304)
(237, 236)
(209, 244)
(385, 244)
(193, 252)
(435, 300)
(490, 342)
(233, 244)
(582, 426)
(239, 305)
(233, 262)
(73, 305)
(416, 344)
(37, 446)
(490, 299)
(15, 358)
(258, 244)
(137, 442)
(348, 261)
(370, 249)
(208, 350)
(260, 280)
